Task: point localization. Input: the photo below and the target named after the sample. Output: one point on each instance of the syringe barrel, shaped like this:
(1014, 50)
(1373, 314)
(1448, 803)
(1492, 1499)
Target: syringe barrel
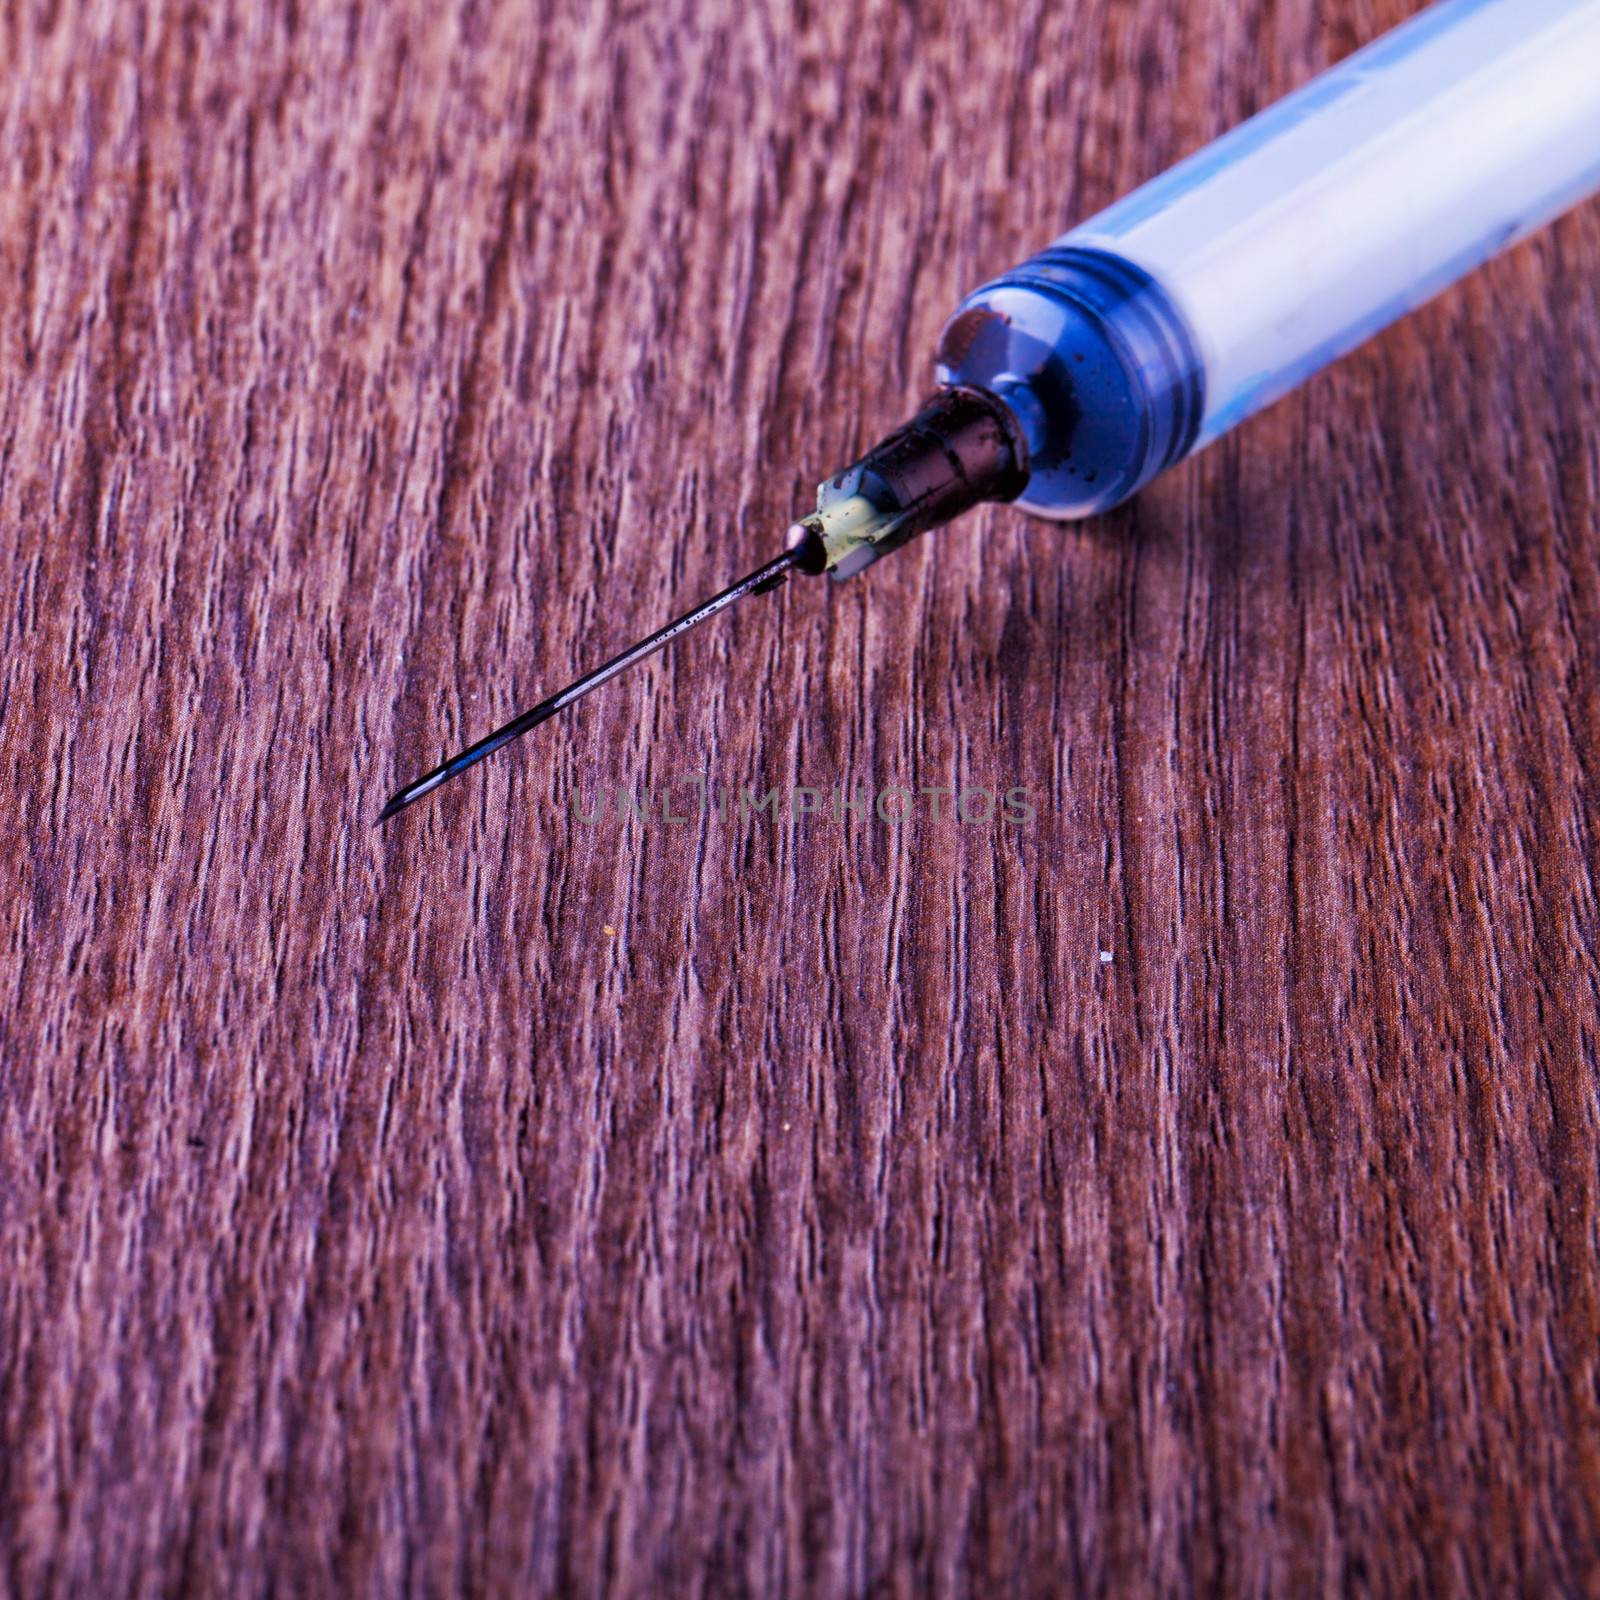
(1162, 322)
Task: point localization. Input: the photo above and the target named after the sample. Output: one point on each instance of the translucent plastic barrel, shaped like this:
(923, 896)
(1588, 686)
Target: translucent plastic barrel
(1167, 319)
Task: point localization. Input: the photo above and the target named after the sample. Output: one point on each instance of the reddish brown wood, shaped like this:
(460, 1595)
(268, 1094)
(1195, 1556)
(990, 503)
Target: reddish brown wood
(503, 1203)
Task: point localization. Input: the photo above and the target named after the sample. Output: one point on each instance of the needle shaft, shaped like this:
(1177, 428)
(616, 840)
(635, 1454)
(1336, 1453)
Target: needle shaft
(767, 577)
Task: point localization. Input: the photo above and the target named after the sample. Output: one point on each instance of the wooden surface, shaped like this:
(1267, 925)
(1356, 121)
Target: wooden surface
(1192, 1190)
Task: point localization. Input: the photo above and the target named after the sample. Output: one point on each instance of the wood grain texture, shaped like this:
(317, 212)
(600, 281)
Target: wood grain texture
(504, 1203)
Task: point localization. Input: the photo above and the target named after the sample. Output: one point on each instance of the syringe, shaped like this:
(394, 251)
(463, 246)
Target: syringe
(1068, 383)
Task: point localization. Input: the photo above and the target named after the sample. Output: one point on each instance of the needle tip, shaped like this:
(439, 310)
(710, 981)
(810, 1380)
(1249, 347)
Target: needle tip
(401, 798)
